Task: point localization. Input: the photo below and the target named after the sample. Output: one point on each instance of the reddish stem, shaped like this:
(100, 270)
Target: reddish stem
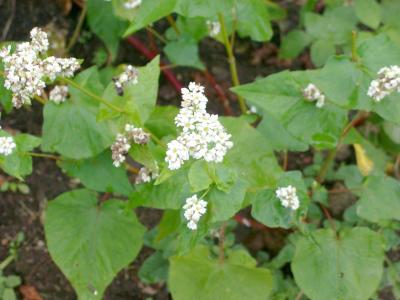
(138, 45)
(220, 93)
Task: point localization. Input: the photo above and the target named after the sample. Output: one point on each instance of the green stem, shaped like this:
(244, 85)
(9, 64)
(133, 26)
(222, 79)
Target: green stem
(354, 56)
(78, 28)
(232, 61)
(156, 34)
(6, 262)
(44, 155)
(172, 22)
(92, 95)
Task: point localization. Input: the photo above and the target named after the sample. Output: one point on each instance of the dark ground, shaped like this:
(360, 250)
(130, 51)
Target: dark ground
(24, 213)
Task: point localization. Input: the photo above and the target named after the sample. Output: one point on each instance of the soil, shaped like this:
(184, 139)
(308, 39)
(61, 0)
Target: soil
(24, 213)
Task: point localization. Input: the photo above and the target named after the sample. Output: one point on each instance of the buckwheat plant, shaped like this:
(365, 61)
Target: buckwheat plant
(283, 187)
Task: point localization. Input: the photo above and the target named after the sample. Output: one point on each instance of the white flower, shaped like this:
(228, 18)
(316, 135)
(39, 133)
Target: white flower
(214, 28)
(26, 71)
(59, 94)
(312, 93)
(387, 82)
(138, 135)
(121, 146)
(130, 75)
(288, 197)
(194, 209)
(120, 149)
(146, 175)
(202, 136)
(131, 4)
(7, 145)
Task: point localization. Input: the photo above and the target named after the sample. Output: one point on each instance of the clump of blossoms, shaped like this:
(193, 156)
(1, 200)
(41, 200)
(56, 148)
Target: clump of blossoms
(312, 93)
(59, 94)
(130, 75)
(132, 4)
(26, 70)
(387, 82)
(202, 136)
(194, 209)
(146, 175)
(288, 197)
(122, 144)
(7, 145)
(214, 27)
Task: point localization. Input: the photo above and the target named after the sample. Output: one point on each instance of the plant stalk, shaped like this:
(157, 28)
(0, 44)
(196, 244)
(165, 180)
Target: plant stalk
(232, 61)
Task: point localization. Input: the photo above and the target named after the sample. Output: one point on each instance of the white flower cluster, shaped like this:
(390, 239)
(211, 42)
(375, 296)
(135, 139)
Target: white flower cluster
(122, 144)
(130, 74)
(312, 93)
(202, 136)
(194, 209)
(7, 145)
(387, 82)
(214, 28)
(26, 71)
(146, 175)
(288, 197)
(132, 4)
(59, 94)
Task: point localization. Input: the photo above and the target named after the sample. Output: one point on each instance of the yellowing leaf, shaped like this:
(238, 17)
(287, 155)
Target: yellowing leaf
(364, 163)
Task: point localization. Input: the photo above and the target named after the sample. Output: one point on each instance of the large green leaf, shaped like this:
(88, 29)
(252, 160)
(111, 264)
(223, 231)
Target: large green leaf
(71, 128)
(197, 276)
(103, 22)
(253, 19)
(294, 43)
(91, 242)
(281, 95)
(99, 174)
(368, 12)
(203, 8)
(251, 155)
(138, 100)
(184, 52)
(224, 205)
(149, 12)
(170, 194)
(379, 199)
(376, 53)
(268, 209)
(337, 268)
(19, 163)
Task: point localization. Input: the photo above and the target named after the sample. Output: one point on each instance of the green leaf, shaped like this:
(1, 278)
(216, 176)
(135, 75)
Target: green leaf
(199, 177)
(89, 242)
(161, 121)
(9, 294)
(99, 174)
(331, 268)
(268, 209)
(235, 279)
(281, 95)
(103, 22)
(154, 269)
(379, 199)
(149, 12)
(376, 53)
(195, 28)
(224, 205)
(19, 163)
(321, 50)
(171, 194)
(203, 8)
(294, 43)
(138, 100)
(253, 19)
(12, 281)
(368, 12)
(71, 128)
(251, 155)
(184, 52)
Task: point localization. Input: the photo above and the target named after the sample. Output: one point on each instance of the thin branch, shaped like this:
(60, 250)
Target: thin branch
(78, 28)
(9, 20)
(232, 61)
(172, 22)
